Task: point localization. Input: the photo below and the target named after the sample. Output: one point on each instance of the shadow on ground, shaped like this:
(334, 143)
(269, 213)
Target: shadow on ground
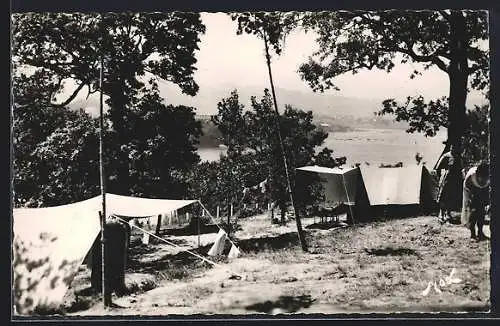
(172, 266)
(326, 226)
(389, 251)
(191, 229)
(281, 241)
(288, 304)
(137, 247)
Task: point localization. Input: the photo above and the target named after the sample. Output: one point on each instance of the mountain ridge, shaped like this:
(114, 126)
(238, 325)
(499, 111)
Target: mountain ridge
(323, 105)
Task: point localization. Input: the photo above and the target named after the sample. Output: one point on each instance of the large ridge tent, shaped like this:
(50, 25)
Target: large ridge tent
(51, 243)
(342, 186)
(409, 189)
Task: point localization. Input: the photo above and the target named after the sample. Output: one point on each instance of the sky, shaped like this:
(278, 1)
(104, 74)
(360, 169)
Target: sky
(230, 61)
(225, 58)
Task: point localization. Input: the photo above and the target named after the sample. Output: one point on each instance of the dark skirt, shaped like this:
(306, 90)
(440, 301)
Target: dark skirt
(449, 190)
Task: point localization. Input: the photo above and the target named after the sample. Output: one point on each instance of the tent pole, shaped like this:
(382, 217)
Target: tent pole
(105, 293)
(300, 232)
(229, 219)
(199, 218)
(349, 200)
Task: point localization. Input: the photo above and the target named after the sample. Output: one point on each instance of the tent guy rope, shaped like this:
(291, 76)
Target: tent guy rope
(213, 220)
(177, 246)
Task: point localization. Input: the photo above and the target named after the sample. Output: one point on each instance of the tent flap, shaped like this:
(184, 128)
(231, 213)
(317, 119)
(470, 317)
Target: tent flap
(142, 207)
(394, 186)
(51, 243)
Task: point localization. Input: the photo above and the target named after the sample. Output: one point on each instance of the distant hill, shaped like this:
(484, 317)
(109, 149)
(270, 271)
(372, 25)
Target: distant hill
(321, 104)
(340, 113)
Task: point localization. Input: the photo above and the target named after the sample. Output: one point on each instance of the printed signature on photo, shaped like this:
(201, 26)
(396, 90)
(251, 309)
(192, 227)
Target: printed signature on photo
(448, 280)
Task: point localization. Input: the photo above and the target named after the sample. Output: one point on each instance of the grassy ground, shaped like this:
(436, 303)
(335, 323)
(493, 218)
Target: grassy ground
(376, 267)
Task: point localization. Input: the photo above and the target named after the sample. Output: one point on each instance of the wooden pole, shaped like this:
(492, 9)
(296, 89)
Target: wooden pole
(199, 227)
(300, 232)
(158, 225)
(229, 214)
(106, 295)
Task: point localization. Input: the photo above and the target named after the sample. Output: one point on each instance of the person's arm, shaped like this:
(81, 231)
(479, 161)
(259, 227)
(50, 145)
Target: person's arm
(442, 164)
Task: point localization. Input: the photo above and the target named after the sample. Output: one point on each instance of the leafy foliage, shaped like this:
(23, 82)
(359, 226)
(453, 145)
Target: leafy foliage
(67, 46)
(55, 156)
(162, 148)
(426, 118)
(56, 149)
(229, 120)
(222, 183)
(449, 40)
(351, 41)
(61, 165)
(326, 159)
(476, 145)
(136, 47)
(354, 40)
(274, 26)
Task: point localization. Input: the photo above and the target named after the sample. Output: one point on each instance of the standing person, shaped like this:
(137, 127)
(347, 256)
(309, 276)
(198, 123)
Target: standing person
(447, 173)
(476, 199)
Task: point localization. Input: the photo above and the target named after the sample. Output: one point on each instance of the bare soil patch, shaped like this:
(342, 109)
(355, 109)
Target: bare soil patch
(374, 267)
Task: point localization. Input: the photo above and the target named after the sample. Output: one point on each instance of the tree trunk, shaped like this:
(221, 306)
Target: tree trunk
(458, 75)
(300, 231)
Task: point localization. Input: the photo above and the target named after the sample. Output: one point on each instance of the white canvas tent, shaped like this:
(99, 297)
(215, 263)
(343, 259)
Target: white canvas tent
(51, 243)
(396, 186)
(403, 186)
(342, 186)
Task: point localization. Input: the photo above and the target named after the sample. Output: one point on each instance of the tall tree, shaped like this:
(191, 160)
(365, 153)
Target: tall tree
(448, 39)
(268, 26)
(162, 148)
(222, 182)
(229, 120)
(55, 148)
(66, 47)
(55, 157)
(300, 138)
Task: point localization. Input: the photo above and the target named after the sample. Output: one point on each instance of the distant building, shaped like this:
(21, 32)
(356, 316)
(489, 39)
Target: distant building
(204, 117)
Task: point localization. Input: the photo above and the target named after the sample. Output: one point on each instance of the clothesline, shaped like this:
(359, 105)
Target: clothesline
(213, 220)
(175, 245)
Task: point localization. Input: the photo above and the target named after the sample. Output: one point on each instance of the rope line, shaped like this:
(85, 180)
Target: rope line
(175, 245)
(213, 220)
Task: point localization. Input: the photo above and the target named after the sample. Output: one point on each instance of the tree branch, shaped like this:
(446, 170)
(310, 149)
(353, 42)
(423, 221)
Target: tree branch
(90, 92)
(445, 14)
(422, 58)
(136, 46)
(476, 67)
(72, 96)
(55, 88)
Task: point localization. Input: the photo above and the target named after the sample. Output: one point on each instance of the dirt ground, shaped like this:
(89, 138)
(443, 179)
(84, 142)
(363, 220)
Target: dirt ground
(376, 267)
